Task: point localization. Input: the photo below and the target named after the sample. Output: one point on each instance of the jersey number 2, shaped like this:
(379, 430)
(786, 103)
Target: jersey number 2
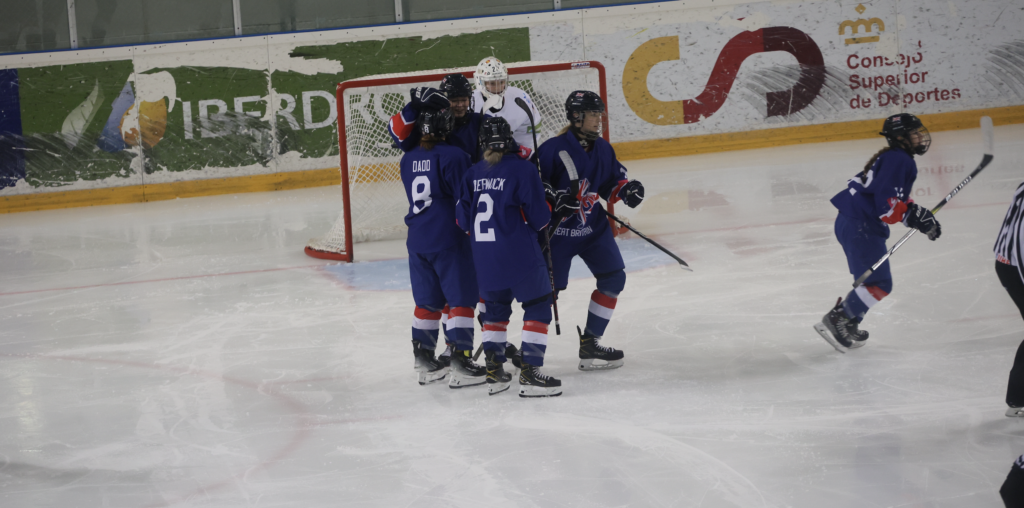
(482, 216)
(421, 192)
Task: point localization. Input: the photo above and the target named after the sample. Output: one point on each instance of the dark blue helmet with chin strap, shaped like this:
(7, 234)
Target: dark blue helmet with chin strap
(577, 106)
(906, 132)
(436, 122)
(496, 135)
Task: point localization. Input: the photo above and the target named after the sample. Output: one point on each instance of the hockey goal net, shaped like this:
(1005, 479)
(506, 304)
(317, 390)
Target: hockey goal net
(373, 200)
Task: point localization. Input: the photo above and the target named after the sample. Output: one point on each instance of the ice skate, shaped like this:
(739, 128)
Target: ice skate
(446, 357)
(857, 335)
(837, 329)
(534, 383)
(1015, 412)
(497, 379)
(465, 372)
(431, 370)
(594, 356)
(515, 356)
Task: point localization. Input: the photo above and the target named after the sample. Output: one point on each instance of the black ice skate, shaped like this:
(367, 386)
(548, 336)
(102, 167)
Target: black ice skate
(514, 355)
(534, 383)
(839, 330)
(446, 357)
(431, 370)
(497, 379)
(465, 372)
(594, 356)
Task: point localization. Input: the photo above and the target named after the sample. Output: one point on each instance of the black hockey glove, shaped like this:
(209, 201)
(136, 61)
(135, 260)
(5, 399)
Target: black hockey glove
(922, 219)
(632, 193)
(430, 98)
(562, 203)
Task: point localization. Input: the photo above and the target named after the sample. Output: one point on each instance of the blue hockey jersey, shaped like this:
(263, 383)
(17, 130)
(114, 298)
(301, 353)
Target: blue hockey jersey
(882, 198)
(432, 179)
(502, 207)
(402, 129)
(601, 175)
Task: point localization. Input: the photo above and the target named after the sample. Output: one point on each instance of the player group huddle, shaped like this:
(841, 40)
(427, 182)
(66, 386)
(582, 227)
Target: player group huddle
(494, 218)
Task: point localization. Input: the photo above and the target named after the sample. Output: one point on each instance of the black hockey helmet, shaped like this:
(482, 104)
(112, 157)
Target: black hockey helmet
(456, 85)
(582, 101)
(436, 122)
(901, 128)
(496, 135)
(577, 106)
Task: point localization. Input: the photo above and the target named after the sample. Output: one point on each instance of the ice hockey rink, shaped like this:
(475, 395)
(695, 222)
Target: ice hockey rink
(187, 353)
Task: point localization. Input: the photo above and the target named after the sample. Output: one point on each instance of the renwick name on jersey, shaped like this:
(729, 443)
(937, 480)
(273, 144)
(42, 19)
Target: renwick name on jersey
(483, 184)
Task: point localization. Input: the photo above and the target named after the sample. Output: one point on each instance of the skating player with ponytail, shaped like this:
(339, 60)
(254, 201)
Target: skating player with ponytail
(440, 256)
(582, 227)
(878, 197)
(502, 208)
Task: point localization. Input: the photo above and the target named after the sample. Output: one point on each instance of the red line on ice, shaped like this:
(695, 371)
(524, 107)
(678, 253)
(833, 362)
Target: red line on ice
(184, 277)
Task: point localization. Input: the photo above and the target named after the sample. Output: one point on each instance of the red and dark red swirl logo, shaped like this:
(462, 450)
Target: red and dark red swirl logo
(743, 45)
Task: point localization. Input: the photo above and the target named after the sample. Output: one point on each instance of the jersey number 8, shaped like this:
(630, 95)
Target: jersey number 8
(421, 192)
(484, 235)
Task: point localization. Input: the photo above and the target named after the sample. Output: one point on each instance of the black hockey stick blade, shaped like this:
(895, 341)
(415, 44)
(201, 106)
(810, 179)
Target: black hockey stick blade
(652, 242)
(522, 104)
(988, 139)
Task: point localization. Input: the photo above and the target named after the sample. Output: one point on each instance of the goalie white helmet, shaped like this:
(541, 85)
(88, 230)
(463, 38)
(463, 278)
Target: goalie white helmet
(491, 77)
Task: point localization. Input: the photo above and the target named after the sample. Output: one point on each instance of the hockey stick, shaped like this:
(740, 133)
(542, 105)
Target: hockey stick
(547, 244)
(987, 137)
(682, 263)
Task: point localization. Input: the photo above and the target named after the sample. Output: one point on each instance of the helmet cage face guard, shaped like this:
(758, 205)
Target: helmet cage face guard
(491, 74)
(923, 142)
(581, 119)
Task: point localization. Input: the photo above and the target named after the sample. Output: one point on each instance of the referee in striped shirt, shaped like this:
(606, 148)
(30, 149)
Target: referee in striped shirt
(1009, 266)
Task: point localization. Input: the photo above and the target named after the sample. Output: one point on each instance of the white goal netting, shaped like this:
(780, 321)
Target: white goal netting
(376, 199)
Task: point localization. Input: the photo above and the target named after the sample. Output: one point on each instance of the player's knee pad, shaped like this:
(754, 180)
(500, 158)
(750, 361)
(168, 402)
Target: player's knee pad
(611, 283)
(884, 285)
(496, 312)
(538, 309)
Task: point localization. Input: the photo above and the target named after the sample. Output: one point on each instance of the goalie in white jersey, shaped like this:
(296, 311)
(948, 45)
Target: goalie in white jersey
(493, 97)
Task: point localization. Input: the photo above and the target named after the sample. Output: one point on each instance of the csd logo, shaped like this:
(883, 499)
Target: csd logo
(780, 103)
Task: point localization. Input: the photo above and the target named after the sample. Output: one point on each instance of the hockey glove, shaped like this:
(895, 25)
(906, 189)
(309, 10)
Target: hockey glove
(429, 98)
(632, 193)
(562, 203)
(922, 219)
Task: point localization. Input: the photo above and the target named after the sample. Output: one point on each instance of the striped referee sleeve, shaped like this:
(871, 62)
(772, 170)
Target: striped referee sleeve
(1007, 247)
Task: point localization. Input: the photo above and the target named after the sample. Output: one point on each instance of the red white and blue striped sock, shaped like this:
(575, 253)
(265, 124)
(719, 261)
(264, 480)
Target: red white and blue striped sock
(861, 299)
(425, 325)
(600, 313)
(535, 342)
(460, 328)
(494, 338)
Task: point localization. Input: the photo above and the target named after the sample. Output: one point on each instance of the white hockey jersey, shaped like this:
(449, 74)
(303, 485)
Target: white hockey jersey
(514, 115)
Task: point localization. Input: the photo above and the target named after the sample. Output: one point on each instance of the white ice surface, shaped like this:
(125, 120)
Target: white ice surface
(187, 353)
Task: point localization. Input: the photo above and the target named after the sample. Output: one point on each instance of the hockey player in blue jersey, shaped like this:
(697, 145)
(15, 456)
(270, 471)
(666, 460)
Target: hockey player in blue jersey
(454, 88)
(502, 207)
(582, 226)
(879, 196)
(440, 256)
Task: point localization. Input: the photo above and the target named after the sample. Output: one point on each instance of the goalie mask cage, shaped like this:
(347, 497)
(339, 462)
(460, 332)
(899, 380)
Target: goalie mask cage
(374, 204)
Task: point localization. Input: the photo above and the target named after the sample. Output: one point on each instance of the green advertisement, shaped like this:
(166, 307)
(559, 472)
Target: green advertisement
(106, 122)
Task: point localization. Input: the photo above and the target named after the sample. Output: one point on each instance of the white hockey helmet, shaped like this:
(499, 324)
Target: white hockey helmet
(491, 77)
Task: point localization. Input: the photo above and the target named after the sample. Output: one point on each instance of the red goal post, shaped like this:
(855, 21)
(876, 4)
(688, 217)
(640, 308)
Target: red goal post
(373, 199)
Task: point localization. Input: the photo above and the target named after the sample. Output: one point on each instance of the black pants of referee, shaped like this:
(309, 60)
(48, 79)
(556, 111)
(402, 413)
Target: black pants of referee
(1010, 279)
(1012, 490)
